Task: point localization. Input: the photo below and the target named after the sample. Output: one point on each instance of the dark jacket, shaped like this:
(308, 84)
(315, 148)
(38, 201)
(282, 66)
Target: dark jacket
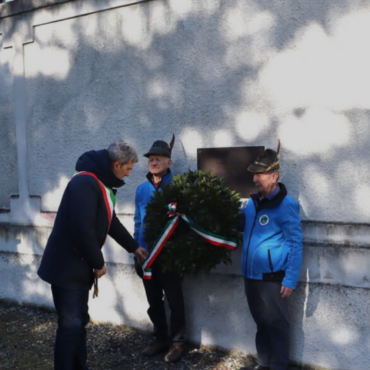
(74, 246)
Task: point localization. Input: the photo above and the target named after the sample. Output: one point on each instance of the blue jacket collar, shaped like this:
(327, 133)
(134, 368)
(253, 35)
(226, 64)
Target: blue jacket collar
(274, 201)
(166, 179)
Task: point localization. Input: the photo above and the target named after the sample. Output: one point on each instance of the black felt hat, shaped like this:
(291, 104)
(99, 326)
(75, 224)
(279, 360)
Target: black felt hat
(269, 160)
(160, 147)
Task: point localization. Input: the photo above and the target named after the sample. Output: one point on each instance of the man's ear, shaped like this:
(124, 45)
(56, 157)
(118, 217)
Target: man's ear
(169, 161)
(116, 164)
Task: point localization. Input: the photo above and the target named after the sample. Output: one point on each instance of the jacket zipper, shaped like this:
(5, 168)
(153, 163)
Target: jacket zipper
(257, 208)
(249, 241)
(270, 260)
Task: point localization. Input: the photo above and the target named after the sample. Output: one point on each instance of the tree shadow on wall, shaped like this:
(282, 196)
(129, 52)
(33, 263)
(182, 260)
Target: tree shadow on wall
(145, 71)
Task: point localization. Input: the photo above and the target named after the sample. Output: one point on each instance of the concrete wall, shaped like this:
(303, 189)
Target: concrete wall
(8, 148)
(74, 75)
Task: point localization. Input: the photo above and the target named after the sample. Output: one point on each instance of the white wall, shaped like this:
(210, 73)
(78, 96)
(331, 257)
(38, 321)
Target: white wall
(74, 75)
(8, 148)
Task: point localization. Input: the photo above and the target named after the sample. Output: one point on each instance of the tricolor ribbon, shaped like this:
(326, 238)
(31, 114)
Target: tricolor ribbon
(170, 227)
(108, 195)
(147, 274)
(110, 202)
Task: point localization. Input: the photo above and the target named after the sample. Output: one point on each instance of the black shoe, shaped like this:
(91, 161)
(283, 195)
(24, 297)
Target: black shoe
(155, 347)
(255, 367)
(175, 353)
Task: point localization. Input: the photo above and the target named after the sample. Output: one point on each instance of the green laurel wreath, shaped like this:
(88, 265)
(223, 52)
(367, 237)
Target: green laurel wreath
(208, 204)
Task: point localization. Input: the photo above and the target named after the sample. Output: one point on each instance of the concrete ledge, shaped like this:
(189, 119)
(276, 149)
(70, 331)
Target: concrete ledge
(329, 324)
(23, 6)
(334, 254)
(336, 233)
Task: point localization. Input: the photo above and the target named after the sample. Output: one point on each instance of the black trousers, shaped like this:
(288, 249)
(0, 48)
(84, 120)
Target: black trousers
(270, 313)
(170, 285)
(70, 343)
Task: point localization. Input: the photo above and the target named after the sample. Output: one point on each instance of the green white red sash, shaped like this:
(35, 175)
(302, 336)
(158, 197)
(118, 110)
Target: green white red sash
(147, 274)
(170, 227)
(108, 196)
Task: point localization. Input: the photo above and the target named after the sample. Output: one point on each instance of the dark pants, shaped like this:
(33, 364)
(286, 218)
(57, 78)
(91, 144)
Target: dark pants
(169, 284)
(70, 343)
(270, 312)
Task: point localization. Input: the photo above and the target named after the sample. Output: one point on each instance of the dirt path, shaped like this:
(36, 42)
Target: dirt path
(27, 339)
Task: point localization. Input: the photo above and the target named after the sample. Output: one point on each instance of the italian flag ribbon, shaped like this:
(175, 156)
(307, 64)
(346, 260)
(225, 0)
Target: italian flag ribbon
(108, 196)
(168, 230)
(147, 274)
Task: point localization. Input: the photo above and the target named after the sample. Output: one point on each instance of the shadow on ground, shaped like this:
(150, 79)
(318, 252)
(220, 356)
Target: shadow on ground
(27, 338)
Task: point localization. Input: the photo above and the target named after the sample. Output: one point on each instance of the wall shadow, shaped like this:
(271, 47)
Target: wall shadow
(145, 71)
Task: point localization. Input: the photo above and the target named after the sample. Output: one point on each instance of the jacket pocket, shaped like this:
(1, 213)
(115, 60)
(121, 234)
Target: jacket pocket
(265, 259)
(270, 260)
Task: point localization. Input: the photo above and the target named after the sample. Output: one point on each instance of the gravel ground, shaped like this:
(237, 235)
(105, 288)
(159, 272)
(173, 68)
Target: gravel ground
(27, 339)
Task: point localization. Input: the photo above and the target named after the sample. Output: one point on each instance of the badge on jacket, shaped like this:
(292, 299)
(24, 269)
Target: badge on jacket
(264, 220)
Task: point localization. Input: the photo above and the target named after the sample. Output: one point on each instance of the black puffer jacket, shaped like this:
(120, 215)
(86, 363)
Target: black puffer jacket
(74, 246)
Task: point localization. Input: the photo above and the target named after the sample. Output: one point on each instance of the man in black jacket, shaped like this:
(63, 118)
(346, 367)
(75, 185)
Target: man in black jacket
(73, 257)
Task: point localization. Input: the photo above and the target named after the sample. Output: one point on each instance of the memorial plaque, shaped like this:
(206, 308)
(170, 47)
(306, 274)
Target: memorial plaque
(231, 164)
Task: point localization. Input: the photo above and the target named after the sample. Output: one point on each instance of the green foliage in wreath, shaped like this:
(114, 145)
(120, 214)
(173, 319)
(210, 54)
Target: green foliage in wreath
(208, 204)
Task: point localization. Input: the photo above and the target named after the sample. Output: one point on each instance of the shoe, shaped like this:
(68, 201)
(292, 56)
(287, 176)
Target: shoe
(175, 353)
(156, 346)
(256, 367)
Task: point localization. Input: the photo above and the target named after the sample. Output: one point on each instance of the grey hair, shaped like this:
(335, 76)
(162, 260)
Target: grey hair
(275, 171)
(120, 151)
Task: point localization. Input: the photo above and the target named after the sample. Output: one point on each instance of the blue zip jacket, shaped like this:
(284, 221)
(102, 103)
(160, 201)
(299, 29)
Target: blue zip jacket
(143, 194)
(272, 242)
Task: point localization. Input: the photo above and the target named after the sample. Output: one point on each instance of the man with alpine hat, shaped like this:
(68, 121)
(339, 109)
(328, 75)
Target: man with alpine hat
(73, 259)
(271, 260)
(162, 283)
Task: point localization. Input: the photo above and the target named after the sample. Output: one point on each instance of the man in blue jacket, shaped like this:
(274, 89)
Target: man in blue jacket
(162, 283)
(271, 260)
(73, 258)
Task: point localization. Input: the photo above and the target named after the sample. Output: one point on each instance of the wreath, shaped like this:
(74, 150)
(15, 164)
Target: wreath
(207, 204)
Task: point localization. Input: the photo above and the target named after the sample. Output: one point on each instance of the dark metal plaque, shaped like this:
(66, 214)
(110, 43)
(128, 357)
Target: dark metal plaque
(231, 164)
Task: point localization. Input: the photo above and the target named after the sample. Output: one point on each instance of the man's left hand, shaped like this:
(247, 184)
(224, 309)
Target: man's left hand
(285, 291)
(100, 272)
(141, 254)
